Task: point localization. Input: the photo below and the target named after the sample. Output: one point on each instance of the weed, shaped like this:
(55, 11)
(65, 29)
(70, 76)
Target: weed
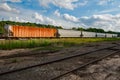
(62, 42)
(14, 60)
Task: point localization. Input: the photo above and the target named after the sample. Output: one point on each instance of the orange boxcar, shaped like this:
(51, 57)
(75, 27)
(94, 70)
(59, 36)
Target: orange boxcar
(28, 31)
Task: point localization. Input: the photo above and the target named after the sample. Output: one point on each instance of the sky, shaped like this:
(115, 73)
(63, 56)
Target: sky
(104, 14)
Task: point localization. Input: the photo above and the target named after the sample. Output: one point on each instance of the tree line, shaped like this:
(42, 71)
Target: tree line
(94, 30)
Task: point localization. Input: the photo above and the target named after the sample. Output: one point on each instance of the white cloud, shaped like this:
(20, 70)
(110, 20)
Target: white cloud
(60, 21)
(70, 18)
(45, 3)
(17, 19)
(85, 17)
(83, 4)
(42, 19)
(104, 21)
(67, 4)
(38, 17)
(57, 13)
(50, 21)
(6, 7)
(11, 1)
(105, 2)
(105, 17)
(108, 11)
(118, 6)
(15, 0)
(102, 2)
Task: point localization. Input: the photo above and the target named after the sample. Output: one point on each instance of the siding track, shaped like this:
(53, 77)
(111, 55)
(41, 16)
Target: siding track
(112, 50)
(84, 65)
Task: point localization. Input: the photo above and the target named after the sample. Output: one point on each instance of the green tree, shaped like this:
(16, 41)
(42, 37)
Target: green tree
(95, 30)
(74, 28)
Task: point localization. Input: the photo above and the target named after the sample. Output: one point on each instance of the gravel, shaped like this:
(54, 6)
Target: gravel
(107, 69)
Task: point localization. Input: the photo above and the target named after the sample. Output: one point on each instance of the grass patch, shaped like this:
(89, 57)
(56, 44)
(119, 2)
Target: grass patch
(49, 43)
(14, 61)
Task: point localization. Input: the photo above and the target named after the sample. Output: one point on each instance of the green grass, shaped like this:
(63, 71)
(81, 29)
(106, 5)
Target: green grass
(62, 42)
(14, 60)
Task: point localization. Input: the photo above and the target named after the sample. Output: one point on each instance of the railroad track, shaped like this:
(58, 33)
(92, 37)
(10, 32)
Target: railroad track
(111, 48)
(84, 65)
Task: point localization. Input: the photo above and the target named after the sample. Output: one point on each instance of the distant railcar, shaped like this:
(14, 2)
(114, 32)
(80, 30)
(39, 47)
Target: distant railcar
(88, 34)
(101, 35)
(115, 35)
(68, 33)
(29, 32)
(109, 35)
(112, 35)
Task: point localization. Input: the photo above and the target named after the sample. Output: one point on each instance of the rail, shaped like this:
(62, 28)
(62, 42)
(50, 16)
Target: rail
(84, 65)
(54, 60)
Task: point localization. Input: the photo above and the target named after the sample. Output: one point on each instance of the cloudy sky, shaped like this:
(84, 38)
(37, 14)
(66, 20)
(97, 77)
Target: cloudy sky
(103, 14)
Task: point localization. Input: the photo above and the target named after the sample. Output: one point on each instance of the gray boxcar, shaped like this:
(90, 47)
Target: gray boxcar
(111, 35)
(88, 34)
(101, 35)
(68, 33)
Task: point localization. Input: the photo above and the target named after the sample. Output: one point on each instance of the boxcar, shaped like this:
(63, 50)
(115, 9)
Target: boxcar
(101, 35)
(29, 32)
(68, 33)
(88, 34)
(111, 35)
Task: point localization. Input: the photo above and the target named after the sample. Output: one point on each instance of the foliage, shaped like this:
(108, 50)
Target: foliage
(81, 29)
(74, 28)
(2, 23)
(94, 30)
(62, 42)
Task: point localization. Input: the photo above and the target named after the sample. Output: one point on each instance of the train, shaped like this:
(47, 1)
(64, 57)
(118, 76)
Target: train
(16, 32)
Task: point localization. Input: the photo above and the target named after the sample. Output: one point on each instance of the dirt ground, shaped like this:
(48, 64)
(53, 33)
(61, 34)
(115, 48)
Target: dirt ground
(107, 69)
